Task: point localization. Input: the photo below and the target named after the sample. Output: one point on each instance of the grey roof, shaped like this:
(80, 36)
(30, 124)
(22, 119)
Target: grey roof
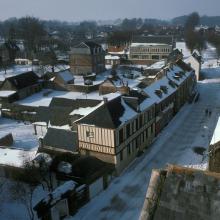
(62, 139)
(180, 193)
(60, 108)
(74, 103)
(23, 80)
(66, 76)
(57, 116)
(106, 116)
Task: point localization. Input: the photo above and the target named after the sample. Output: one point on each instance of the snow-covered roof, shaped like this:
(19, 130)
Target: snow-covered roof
(66, 75)
(156, 86)
(157, 65)
(57, 194)
(44, 97)
(111, 57)
(123, 52)
(40, 123)
(15, 157)
(85, 111)
(177, 75)
(6, 93)
(167, 85)
(216, 134)
(15, 70)
(183, 48)
(147, 44)
(128, 113)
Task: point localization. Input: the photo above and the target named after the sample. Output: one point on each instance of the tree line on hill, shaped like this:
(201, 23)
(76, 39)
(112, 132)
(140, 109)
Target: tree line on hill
(196, 39)
(42, 37)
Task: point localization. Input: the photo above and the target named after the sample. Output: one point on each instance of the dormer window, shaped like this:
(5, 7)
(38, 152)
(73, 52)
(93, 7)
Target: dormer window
(164, 89)
(171, 83)
(158, 92)
(89, 134)
(177, 77)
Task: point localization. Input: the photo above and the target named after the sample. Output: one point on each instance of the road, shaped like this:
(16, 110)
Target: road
(190, 129)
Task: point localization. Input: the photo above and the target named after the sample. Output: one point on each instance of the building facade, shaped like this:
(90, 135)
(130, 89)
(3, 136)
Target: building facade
(117, 131)
(87, 58)
(121, 128)
(148, 53)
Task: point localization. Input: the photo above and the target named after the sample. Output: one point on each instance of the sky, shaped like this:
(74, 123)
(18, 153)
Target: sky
(78, 10)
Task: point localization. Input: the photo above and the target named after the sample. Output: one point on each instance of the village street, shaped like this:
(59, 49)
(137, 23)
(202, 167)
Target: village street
(184, 141)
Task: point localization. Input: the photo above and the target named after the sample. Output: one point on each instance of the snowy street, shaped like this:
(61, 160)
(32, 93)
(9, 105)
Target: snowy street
(184, 141)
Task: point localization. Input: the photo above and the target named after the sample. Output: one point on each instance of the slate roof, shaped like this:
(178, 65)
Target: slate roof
(106, 116)
(57, 116)
(183, 65)
(66, 76)
(197, 56)
(180, 193)
(23, 80)
(60, 108)
(61, 139)
(77, 103)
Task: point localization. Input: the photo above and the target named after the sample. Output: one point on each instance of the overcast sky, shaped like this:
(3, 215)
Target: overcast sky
(77, 10)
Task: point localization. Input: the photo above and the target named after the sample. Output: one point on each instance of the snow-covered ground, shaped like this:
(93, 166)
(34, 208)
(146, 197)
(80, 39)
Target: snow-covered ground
(25, 142)
(181, 142)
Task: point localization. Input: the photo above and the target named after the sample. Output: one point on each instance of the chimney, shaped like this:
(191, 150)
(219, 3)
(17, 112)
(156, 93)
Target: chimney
(105, 99)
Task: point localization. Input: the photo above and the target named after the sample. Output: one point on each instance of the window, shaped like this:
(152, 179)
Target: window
(152, 128)
(155, 57)
(89, 134)
(121, 155)
(136, 120)
(129, 149)
(140, 121)
(133, 126)
(121, 136)
(134, 144)
(146, 133)
(128, 130)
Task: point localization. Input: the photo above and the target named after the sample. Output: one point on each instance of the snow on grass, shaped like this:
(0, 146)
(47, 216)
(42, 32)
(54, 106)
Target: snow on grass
(25, 142)
(23, 133)
(14, 157)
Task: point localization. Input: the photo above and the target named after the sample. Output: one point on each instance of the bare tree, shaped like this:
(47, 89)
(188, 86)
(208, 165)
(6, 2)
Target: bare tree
(26, 181)
(24, 193)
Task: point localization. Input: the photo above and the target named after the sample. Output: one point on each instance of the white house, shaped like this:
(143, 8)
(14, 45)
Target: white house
(195, 61)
